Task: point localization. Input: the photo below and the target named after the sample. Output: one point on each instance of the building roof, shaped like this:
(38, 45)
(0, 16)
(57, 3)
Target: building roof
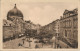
(70, 11)
(14, 12)
(7, 23)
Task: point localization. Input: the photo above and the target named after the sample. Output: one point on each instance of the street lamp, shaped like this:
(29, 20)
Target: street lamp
(27, 36)
(55, 41)
(28, 39)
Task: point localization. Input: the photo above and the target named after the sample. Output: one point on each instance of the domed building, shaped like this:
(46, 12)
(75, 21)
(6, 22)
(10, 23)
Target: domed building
(15, 12)
(15, 17)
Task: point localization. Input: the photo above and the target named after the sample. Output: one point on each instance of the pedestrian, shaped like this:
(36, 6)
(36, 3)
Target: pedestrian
(33, 38)
(27, 39)
(19, 44)
(36, 46)
(60, 46)
(42, 44)
(57, 45)
(23, 41)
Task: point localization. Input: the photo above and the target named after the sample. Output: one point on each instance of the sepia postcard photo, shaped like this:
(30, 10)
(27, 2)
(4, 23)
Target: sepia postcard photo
(39, 24)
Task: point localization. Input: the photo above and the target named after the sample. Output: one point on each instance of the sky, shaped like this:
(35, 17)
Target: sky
(41, 13)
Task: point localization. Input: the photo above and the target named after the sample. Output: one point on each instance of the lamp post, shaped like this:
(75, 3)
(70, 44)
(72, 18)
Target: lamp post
(55, 38)
(28, 39)
(30, 34)
(55, 41)
(58, 40)
(29, 42)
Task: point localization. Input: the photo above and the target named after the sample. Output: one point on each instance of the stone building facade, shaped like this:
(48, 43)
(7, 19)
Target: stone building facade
(33, 28)
(49, 29)
(57, 27)
(19, 26)
(69, 26)
(14, 16)
(52, 28)
(8, 29)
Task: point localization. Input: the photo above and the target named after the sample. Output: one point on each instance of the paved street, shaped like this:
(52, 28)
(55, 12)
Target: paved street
(14, 44)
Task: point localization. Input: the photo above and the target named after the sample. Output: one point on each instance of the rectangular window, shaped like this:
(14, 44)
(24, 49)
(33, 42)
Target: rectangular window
(65, 33)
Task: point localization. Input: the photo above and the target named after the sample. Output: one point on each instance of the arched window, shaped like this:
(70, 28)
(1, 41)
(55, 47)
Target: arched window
(65, 33)
(65, 23)
(68, 23)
